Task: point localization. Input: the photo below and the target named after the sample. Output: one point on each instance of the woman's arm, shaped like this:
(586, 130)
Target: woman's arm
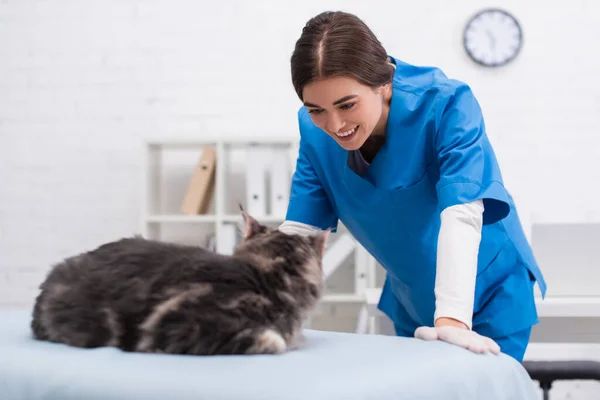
(458, 248)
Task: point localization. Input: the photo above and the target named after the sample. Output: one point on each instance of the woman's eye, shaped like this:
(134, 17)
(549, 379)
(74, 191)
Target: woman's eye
(347, 106)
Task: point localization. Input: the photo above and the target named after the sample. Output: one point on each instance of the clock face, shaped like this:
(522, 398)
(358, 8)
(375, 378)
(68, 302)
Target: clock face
(492, 37)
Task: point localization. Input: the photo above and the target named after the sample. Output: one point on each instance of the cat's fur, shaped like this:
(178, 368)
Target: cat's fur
(149, 296)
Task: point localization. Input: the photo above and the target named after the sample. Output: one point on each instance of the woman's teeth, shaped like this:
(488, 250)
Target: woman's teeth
(344, 134)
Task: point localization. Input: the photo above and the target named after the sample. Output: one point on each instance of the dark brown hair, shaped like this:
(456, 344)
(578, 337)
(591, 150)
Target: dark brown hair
(336, 43)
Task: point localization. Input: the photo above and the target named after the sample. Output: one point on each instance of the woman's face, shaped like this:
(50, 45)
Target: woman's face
(347, 110)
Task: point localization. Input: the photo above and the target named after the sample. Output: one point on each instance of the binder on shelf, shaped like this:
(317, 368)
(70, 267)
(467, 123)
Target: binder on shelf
(256, 191)
(280, 182)
(201, 187)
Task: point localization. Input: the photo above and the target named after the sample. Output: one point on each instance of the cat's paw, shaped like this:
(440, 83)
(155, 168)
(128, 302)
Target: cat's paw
(268, 342)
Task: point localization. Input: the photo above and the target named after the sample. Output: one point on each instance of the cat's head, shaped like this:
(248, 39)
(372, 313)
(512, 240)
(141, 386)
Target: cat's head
(270, 248)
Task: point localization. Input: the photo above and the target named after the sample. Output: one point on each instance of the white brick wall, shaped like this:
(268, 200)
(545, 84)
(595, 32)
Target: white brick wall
(82, 82)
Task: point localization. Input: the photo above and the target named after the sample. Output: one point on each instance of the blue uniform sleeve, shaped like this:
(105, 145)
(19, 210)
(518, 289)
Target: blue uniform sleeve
(309, 202)
(467, 164)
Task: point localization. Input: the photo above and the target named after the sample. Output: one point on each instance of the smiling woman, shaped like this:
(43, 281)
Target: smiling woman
(399, 154)
(347, 92)
(346, 110)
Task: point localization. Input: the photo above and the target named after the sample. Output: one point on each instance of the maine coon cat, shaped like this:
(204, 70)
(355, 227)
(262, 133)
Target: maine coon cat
(149, 296)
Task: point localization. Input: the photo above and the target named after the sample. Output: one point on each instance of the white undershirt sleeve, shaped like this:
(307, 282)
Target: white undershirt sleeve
(457, 253)
(299, 228)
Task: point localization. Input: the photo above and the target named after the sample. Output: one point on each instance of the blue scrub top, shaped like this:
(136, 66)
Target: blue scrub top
(436, 155)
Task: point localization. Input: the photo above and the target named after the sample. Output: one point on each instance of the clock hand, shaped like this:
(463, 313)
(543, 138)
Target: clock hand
(492, 39)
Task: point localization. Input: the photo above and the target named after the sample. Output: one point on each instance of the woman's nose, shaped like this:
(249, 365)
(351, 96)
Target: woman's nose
(334, 123)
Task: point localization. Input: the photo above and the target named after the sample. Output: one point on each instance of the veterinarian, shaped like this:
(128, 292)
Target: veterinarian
(399, 154)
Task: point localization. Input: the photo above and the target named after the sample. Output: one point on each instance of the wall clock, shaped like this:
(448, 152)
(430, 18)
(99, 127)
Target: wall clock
(492, 37)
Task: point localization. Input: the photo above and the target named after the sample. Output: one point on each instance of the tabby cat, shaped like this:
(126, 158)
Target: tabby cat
(143, 295)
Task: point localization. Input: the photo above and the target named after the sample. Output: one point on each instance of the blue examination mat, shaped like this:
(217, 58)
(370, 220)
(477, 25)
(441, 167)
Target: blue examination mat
(331, 366)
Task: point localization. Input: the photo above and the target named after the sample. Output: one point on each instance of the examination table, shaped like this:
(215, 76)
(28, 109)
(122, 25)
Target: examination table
(330, 366)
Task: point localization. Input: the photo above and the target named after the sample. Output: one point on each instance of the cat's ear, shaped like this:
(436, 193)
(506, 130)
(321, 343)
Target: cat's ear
(251, 226)
(319, 241)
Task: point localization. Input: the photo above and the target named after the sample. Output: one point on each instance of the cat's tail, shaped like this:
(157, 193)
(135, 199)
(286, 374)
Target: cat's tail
(194, 322)
(176, 334)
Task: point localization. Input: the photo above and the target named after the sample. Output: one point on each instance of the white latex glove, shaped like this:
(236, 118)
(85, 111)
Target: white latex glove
(464, 338)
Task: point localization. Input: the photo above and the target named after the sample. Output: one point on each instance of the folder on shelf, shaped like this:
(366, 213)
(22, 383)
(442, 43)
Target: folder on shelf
(280, 182)
(256, 191)
(201, 187)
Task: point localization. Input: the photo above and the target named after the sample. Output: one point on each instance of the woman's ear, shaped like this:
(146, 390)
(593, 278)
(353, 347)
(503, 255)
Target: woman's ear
(384, 90)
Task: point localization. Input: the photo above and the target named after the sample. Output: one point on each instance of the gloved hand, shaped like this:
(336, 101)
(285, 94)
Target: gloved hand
(465, 338)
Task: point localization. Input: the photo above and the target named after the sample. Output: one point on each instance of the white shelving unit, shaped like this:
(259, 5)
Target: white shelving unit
(223, 212)
(153, 148)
